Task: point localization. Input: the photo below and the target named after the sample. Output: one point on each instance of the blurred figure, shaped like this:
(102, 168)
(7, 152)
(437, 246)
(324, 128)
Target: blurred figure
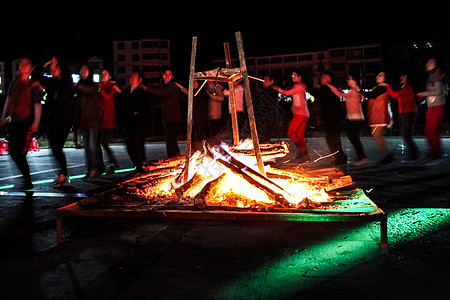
(89, 121)
(215, 94)
(378, 114)
(136, 114)
(60, 112)
(435, 94)
(170, 96)
(332, 117)
(407, 109)
(22, 114)
(267, 113)
(297, 127)
(107, 111)
(200, 129)
(355, 119)
(239, 101)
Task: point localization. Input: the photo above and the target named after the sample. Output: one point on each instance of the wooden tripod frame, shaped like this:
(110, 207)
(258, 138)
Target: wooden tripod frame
(229, 75)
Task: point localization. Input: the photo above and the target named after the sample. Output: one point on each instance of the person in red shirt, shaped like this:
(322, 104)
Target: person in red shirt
(22, 114)
(407, 109)
(107, 90)
(297, 127)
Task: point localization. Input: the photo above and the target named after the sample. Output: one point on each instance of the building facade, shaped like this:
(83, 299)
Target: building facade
(362, 61)
(148, 56)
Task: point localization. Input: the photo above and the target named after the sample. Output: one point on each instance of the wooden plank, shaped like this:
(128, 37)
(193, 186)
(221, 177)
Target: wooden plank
(190, 107)
(249, 102)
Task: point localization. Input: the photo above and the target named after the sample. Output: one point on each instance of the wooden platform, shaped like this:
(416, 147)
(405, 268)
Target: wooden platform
(360, 209)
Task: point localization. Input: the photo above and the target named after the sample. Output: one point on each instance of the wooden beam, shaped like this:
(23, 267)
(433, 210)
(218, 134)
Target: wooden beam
(190, 107)
(248, 99)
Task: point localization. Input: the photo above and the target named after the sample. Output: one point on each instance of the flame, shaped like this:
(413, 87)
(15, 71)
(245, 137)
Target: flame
(220, 186)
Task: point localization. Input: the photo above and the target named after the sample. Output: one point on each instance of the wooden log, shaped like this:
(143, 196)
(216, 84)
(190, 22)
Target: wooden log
(190, 106)
(248, 99)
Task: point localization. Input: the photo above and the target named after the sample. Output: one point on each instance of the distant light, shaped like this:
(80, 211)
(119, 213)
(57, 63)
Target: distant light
(75, 78)
(96, 77)
(429, 45)
(415, 46)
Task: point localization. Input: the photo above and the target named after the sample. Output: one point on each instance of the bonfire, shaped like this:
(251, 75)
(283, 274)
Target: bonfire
(226, 175)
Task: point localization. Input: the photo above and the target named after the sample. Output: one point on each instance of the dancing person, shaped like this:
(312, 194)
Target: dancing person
(60, 113)
(407, 109)
(89, 121)
(297, 126)
(435, 93)
(267, 114)
(170, 96)
(107, 113)
(355, 119)
(22, 114)
(215, 94)
(136, 114)
(332, 117)
(379, 117)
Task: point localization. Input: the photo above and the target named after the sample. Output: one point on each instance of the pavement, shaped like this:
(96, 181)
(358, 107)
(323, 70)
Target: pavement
(106, 258)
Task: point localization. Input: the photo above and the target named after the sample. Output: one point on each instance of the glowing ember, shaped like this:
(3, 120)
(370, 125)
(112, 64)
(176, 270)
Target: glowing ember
(227, 176)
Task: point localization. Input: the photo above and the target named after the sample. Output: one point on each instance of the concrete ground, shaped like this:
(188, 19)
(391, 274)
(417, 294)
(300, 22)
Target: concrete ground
(181, 259)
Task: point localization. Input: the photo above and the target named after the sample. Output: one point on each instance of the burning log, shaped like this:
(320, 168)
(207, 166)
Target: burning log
(197, 182)
(263, 183)
(200, 198)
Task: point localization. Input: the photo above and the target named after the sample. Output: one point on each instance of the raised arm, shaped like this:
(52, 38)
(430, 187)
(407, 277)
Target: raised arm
(336, 91)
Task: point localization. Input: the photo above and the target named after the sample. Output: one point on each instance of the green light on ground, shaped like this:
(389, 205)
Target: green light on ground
(285, 276)
(4, 187)
(74, 177)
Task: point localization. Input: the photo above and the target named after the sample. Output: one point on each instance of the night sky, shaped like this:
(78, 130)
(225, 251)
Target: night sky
(78, 30)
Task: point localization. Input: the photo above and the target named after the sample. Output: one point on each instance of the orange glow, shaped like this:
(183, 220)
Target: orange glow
(211, 179)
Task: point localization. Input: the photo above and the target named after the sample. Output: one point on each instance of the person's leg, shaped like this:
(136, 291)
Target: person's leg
(407, 121)
(172, 139)
(377, 134)
(291, 132)
(17, 147)
(435, 115)
(333, 139)
(300, 135)
(105, 139)
(353, 133)
(57, 136)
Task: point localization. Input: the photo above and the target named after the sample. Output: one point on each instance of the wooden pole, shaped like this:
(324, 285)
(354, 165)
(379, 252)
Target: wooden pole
(190, 107)
(248, 99)
(233, 112)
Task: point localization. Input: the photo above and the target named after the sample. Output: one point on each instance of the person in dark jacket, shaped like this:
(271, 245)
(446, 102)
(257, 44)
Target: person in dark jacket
(136, 115)
(60, 109)
(170, 95)
(89, 121)
(332, 117)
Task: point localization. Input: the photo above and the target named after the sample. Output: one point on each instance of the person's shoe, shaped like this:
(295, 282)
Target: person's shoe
(361, 160)
(27, 187)
(111, 169)
(92, 175)
(62, 181)
(387, 159)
